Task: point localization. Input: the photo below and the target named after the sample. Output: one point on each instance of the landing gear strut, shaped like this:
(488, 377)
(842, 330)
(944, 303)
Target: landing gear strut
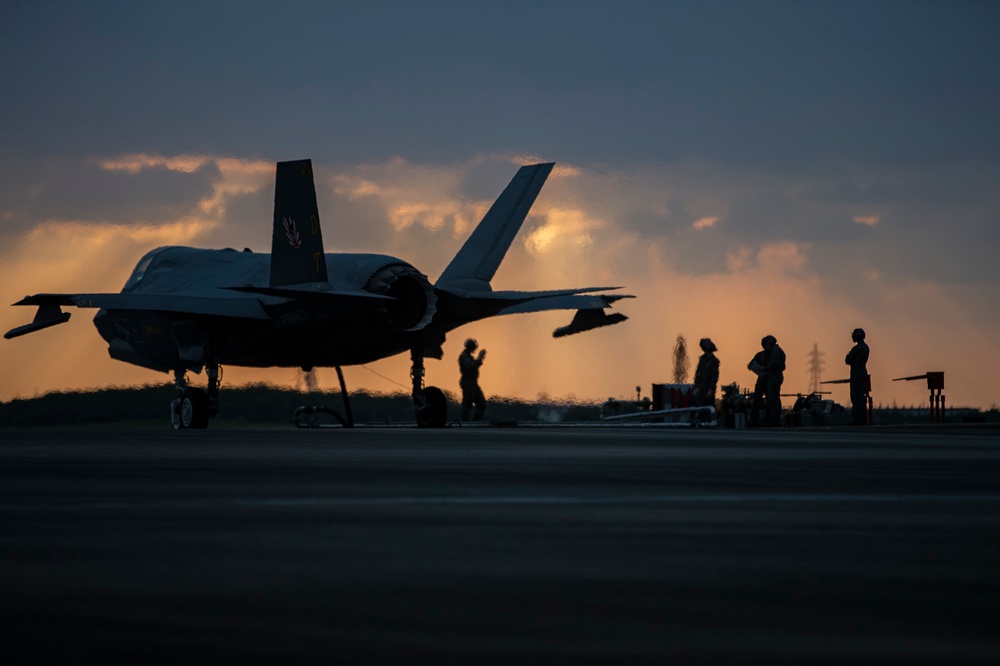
(194, 406)
(305, 416)
(429, 404)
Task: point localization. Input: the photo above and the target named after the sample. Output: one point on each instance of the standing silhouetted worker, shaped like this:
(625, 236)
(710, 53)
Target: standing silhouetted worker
(857, 358)
(757, 365)
(774, 372)
(706, 375)
(469, 365)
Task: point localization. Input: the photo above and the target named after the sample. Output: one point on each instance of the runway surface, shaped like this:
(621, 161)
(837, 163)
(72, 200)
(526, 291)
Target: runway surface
(525, 545)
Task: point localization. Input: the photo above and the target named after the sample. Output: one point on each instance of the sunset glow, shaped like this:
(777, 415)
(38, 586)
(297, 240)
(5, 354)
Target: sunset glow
(797, 170)
(770, 287)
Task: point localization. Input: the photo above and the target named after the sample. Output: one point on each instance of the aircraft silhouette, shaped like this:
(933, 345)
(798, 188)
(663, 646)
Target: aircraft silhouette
(187, 309)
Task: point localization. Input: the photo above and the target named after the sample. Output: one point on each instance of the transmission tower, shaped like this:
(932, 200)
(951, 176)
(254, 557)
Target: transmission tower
(815, 368)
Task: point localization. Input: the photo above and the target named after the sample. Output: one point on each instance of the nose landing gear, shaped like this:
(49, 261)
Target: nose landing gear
(194, 406)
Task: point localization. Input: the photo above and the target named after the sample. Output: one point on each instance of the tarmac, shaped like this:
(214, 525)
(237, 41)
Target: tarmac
(500, 545)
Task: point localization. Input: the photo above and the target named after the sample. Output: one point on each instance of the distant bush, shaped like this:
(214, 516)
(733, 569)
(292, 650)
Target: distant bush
(260, 404)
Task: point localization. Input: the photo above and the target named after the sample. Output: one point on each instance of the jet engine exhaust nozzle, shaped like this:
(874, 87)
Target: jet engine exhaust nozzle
(415, 302)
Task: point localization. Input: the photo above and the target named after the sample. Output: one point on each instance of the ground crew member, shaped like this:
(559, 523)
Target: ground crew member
(774, 371)
(757, 366)
(857, 358)
(706, 375)
(472, 395)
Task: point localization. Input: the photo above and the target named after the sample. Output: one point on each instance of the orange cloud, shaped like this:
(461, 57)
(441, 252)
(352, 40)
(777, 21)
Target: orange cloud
(137, 162)
(867, 220)
(782, 257)
(561, 227)
(413, 195)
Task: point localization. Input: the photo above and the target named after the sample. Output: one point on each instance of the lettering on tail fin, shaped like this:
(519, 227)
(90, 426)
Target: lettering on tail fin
(296, 238)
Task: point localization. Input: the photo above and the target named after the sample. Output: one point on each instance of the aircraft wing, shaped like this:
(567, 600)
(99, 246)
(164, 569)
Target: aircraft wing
(187, 303)
(208, 303)
(331, 296)
(50, 307)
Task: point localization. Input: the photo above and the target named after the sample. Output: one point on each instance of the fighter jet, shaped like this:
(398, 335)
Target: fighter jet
(188, 309)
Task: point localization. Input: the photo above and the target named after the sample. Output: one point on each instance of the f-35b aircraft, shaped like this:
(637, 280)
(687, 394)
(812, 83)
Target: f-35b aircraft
(186, 309)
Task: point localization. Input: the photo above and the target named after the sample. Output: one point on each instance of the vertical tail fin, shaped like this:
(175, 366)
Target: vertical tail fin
(478, 260)
(296, 241)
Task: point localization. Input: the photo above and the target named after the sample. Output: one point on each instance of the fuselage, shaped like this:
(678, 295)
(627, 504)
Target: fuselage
(259, 330)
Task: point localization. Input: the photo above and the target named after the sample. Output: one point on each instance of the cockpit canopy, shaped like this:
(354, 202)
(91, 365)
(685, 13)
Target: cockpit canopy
(140, 269)
(188, 266)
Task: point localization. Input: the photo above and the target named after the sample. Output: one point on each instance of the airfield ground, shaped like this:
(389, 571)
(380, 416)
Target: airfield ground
(519, 545)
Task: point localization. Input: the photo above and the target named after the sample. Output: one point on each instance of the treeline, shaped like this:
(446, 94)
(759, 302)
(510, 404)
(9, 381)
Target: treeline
(259, 405)
(270, 405)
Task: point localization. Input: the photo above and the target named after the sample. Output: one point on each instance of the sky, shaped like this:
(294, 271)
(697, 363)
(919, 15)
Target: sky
(788, 168)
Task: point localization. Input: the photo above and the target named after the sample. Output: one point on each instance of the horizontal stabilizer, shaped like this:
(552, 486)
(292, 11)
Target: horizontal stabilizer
(571, 300)
(585, 320)
(49, 314)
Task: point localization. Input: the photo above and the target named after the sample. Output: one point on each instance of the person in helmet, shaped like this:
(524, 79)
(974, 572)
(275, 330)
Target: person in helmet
(857, 358)
(758, 365)
(706, 375)
(774, 376)
(473, 400)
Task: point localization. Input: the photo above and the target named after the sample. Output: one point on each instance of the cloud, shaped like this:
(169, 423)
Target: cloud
(413, 194)
(560, 228)
(78, 238)
(704, 223)
(783, 257)
(867, 220)
(136, 163)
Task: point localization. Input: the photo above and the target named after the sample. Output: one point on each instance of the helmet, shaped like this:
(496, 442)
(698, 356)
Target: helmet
(858, 334)
(707, 345)
(471, 344)
(769, 340)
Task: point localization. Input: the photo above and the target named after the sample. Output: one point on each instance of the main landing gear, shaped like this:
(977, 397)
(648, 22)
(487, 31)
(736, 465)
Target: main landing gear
(429, 404)
(430, 407)
(194, 406)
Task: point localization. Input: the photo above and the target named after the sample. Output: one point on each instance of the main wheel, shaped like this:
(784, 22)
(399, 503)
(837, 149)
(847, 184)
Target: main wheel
(434, 412)
(192, 412)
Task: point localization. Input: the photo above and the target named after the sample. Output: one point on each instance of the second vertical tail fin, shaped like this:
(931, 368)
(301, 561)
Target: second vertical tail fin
(478, 260)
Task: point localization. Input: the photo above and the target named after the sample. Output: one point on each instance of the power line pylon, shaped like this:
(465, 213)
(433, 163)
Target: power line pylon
(815, 368)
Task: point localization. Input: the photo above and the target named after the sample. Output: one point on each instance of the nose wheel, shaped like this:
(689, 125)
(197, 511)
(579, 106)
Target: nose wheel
(190, 410)
(193, 406)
